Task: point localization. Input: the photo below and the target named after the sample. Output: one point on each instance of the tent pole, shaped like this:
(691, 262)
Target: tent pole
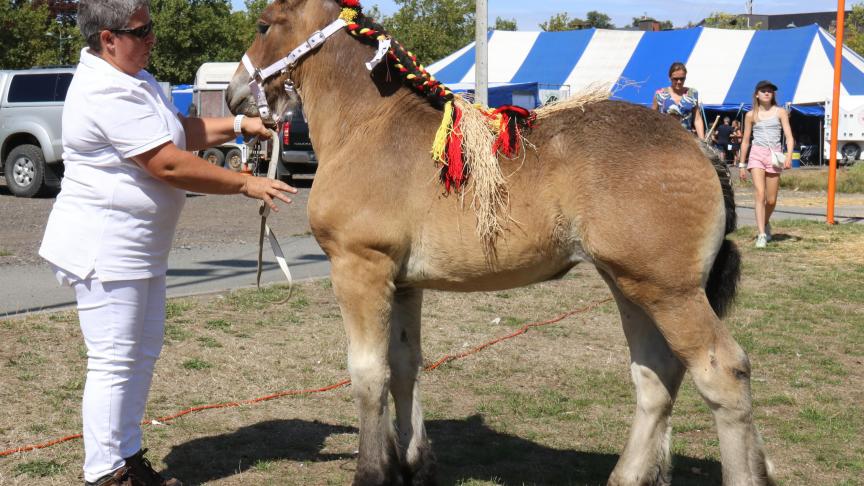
(481, 62)
(835, 110)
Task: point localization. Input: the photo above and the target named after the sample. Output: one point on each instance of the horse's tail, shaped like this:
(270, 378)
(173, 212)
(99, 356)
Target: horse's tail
(723, 279)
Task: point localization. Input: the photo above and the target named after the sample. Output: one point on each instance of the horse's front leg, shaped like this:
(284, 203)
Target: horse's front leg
(406, 358)
(364, 289)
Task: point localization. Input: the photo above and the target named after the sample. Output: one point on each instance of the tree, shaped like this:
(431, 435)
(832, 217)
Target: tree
(432, 29)
(853, 33)
(598, 20)
(722, 20)
(562, 21)
(192, 32)
(505, 24)
(23, 43)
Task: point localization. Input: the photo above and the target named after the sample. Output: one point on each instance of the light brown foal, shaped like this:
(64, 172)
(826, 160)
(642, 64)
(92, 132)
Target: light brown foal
(613, 184)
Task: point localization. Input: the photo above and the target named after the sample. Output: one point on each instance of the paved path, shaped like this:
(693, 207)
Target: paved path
(195, 271)
(849, 208)
(33, 288)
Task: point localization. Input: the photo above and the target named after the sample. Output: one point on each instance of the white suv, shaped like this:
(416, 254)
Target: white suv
(31, 107)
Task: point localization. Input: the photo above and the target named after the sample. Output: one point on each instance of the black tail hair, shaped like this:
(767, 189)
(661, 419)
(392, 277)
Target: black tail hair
(726, 271)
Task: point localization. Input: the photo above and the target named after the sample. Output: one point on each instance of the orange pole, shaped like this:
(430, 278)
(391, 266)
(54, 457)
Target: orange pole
(835, 110)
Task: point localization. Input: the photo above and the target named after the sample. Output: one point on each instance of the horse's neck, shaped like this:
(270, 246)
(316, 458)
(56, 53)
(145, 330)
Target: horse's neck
(340, 96)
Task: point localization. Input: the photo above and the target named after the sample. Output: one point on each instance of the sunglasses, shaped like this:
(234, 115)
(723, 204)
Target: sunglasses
(678, 79)
(139, 32)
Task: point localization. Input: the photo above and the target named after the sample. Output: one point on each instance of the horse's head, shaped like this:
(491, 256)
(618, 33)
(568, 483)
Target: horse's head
(284, 25)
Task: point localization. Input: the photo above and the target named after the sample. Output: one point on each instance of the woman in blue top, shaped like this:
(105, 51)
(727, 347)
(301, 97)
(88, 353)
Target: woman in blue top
(680, 101)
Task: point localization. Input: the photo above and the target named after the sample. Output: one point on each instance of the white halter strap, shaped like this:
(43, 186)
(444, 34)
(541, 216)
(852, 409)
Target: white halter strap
(258, 76)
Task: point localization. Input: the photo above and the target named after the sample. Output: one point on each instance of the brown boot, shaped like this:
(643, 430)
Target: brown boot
(136, 472)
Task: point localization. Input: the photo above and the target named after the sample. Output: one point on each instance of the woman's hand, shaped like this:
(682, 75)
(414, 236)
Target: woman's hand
(254, 127)
(267, 189)
(742, 174)
(788, 163)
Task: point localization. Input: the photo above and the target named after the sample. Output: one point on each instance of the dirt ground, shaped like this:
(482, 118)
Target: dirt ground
(205, 221)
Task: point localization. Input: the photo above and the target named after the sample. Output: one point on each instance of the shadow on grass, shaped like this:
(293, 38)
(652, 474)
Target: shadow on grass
(220, 456)
(466, 449)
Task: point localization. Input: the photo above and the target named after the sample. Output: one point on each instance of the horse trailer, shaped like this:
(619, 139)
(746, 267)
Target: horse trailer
(850, 130)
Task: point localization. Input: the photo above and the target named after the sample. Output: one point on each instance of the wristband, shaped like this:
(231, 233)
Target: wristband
(238, 122)
(742, 166)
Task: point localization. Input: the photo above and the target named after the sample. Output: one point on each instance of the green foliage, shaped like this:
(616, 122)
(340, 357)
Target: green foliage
(853, 32)
(23, 39)
(38, 468)
(432, 29)
(849, 180)
(562, 21)
(192, 32)
(196, 364)
(598, 20)
(722, 20)
(505, 24)
(218, 324)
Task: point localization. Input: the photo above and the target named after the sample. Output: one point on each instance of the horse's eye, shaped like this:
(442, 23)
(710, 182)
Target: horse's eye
(262, 28)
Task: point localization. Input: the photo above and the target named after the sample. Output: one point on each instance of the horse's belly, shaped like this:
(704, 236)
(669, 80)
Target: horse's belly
(468, 269)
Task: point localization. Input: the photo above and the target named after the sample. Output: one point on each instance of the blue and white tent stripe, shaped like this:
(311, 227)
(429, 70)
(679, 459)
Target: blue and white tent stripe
(724, 65)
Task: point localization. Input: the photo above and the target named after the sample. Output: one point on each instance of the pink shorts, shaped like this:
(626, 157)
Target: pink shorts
(760, 158)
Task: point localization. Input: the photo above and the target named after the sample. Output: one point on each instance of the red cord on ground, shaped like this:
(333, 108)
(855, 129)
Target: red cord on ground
(433, 366)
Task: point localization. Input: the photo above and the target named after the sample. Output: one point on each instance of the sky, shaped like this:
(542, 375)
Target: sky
(529, 14)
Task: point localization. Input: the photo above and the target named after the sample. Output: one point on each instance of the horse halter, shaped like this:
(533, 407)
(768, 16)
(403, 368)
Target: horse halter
(257, 77)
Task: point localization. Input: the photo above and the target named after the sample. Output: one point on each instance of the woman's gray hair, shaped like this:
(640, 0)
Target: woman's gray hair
(95, 16)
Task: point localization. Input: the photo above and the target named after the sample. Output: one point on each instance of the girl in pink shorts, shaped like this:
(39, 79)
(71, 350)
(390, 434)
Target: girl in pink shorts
(760, 158)
(765, 123)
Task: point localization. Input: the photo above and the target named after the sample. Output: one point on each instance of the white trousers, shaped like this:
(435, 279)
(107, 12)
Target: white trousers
(123, 324)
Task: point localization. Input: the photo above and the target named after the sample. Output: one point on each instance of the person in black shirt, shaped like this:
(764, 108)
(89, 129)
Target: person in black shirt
(722, 139)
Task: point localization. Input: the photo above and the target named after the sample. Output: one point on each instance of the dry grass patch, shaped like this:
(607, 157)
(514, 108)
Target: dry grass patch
(549, 407)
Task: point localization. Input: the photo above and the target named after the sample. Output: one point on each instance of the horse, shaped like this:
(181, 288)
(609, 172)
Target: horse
(608, 183)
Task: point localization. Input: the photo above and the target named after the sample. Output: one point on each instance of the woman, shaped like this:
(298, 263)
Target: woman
(765, 122)
(735, 139)
(110, 231)
(680, 101)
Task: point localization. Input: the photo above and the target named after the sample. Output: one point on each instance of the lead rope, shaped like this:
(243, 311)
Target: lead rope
(264, 211)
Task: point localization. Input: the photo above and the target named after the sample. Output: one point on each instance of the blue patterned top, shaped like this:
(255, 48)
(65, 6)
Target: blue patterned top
(682, 110)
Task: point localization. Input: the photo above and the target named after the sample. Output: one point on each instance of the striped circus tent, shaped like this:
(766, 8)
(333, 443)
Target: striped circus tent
(724, 65)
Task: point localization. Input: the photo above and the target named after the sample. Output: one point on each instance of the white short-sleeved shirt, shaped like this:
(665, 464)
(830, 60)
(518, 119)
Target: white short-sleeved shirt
(112, 218)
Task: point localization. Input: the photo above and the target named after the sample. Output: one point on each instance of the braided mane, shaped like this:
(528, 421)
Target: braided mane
(413, 73)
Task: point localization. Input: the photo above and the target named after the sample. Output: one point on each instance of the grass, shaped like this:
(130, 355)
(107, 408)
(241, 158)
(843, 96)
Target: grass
(849, 179)
(552, 406)
(5, 253)
(38, 469)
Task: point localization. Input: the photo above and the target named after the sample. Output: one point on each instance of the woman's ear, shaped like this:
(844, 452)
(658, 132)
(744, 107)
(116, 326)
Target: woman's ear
(106, 38)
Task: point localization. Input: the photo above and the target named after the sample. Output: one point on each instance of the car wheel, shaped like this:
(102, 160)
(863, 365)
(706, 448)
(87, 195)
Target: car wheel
(234, 160)
(850, 153)
(214, 156)
(25, 170)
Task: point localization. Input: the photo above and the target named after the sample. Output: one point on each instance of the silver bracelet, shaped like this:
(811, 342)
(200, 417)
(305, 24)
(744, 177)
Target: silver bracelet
(238, 123)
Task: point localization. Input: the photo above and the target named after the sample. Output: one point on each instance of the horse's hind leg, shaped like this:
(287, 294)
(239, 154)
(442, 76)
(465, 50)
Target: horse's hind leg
(656, 374)
(721, 372)
(406, 358)
(364, 289)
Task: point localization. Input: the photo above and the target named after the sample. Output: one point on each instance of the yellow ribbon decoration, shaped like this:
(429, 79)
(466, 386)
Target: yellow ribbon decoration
(440, 143)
